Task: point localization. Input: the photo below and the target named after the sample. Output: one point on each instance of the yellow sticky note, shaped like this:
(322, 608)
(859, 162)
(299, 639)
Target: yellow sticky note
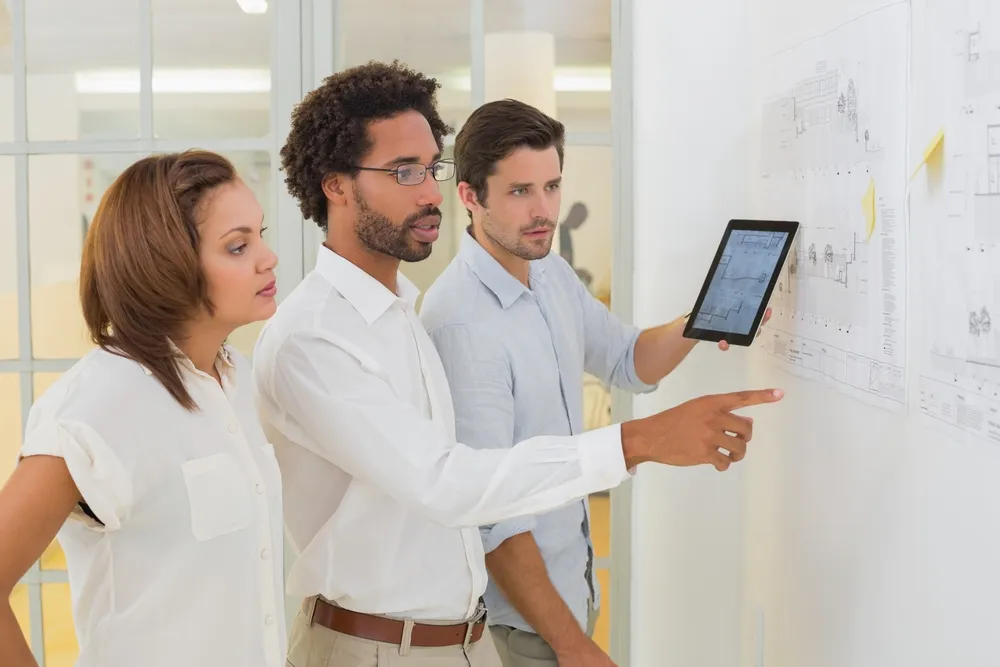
(931, 149)
(868, 206)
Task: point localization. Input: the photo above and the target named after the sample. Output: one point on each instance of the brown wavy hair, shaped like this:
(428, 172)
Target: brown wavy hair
(495, 130)
(141, 278)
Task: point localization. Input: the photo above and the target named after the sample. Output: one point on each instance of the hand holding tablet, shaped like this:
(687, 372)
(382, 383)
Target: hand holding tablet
(733, 300)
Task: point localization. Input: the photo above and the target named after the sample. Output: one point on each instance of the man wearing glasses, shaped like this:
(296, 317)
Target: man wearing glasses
(382, 505)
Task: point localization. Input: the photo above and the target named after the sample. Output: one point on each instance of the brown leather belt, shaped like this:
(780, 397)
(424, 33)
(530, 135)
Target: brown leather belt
(390, 631)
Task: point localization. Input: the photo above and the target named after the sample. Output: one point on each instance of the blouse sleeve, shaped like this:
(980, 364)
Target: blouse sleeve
(100, 477)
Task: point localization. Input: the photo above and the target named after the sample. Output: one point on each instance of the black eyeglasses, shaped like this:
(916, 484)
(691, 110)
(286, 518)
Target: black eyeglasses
(414, 173)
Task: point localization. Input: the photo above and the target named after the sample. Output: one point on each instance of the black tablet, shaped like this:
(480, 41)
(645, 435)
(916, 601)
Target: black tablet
(740, 281)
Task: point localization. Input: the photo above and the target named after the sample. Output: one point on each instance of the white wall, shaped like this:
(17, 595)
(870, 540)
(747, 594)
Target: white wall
(692, 92)
(850, 536)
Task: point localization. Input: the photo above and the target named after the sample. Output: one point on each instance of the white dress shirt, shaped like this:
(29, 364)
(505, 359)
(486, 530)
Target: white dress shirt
(382, 505)
(184, 566)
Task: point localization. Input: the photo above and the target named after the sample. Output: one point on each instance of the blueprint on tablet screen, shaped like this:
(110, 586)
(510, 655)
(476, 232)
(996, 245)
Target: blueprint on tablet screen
(748, 261)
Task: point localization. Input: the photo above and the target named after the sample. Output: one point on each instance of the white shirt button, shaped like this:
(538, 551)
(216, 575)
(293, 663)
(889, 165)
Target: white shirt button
(260, 489)
(269, 620)
(265, 554)
(233, 428)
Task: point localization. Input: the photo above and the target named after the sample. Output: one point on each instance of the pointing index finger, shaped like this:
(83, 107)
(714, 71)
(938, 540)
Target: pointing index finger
(746, 398)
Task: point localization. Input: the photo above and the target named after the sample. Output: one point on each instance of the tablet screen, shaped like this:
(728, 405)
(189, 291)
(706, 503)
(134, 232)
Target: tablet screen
(741, 281)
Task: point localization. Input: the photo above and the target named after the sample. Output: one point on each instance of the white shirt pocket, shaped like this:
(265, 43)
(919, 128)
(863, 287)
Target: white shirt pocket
(218, 496)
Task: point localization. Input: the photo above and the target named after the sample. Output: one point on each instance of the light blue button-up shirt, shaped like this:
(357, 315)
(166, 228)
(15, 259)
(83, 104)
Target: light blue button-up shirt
(515, 360)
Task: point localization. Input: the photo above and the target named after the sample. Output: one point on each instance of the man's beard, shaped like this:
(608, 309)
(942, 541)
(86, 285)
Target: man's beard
(518, 246)
(380, 234)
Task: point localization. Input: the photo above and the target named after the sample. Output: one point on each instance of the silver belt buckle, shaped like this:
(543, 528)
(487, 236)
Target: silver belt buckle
(480, 613)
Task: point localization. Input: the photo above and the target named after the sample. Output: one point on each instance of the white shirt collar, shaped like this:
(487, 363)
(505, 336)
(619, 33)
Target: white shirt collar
(223, 361)
(368, 296)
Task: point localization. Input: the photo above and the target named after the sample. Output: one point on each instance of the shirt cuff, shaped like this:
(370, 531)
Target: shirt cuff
(495, 535)
(99, 476)
(602, 458)
(635, 385)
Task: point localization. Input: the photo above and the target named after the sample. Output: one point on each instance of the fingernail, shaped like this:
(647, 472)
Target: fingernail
(778, 393)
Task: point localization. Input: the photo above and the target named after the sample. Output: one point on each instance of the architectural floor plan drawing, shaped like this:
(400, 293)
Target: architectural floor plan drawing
(833, 157)
(740, 281)
(959, 252)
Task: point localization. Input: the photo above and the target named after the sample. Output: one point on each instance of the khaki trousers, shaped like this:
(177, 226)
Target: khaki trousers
(518, 648)
(312, 645)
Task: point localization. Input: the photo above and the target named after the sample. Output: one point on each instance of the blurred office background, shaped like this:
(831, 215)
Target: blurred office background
(88, 87)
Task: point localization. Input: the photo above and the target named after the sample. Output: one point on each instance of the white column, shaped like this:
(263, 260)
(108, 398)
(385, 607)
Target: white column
(691, 97)
(521, 65)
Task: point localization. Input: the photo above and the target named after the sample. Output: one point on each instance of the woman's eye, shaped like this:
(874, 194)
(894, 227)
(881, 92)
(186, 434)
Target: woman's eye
(238, 250)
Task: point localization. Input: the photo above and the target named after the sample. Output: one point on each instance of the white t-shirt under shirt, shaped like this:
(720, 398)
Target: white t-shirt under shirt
(187, 566)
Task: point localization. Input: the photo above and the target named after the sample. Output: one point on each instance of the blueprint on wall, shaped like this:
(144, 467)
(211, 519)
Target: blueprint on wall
(959, 257)
(833, 157)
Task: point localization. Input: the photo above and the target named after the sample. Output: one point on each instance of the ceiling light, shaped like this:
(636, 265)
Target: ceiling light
(564, 80)
(176, 81)
(253, 6)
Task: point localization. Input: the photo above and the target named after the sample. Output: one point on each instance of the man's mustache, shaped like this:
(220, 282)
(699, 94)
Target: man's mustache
(539, 224)
(428, 212)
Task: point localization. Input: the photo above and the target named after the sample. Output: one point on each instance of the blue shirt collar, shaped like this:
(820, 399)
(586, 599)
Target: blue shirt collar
(493, 275)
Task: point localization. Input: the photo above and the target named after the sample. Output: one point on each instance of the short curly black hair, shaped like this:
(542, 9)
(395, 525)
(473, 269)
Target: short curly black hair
(330, 125)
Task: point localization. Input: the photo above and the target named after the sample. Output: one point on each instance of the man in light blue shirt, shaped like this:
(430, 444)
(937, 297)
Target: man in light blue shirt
(517, 330)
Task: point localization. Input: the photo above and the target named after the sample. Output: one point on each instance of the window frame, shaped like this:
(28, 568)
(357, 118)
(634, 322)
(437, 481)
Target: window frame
(301, 55)
(286, 90)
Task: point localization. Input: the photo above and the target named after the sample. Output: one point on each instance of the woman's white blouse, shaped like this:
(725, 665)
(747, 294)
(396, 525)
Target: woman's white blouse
(186, 569)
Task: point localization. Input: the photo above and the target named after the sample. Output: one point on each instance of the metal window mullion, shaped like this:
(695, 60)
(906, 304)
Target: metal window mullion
(307, 47)
(286, 92)
(36, 365)
(20, 77)
(334, 25)
(21, 184)
(26, 376)
(32, 576)
(101, 146)
(622, 294)
(477, 52)
(323, 57)
(37, 576)
(146, 70)
(35, 620)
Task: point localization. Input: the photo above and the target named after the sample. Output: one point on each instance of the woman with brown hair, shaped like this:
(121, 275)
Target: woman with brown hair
(146, 457)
